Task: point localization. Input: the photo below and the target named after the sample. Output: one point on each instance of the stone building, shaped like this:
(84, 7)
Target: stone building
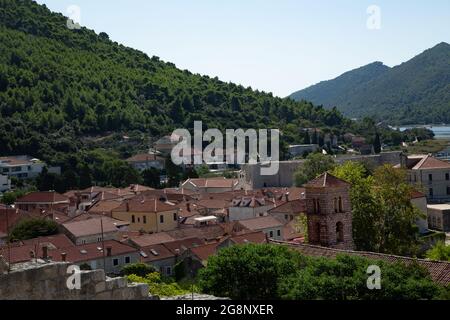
(329, 213)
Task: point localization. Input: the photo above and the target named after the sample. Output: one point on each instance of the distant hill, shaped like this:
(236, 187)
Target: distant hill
(415, 92)
(59, 84)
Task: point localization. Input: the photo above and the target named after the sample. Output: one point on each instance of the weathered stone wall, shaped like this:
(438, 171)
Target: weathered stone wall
(48, 281)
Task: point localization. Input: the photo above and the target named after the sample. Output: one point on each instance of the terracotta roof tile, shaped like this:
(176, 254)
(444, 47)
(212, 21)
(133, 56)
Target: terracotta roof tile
(43, 197)
(326, 180)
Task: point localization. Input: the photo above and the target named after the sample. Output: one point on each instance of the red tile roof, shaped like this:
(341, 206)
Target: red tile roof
(205, 251)
(155, 252)
(251, 237)
(439, 270)
(261, 223)
(92, 226)
(326, 180)
(291, 207)
(180, 246)
(428, 162)
(146, 240)
(43, 197)
(212, 182)
(145, 204)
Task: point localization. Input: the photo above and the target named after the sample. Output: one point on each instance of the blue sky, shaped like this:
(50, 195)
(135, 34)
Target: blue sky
(278, 46)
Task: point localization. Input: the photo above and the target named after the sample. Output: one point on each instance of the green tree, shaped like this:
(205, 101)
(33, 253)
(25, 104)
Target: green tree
(32, 228)
(248, 271)
(315, 165)
(377, 143)
(151, 178)
(384, 219)
(440, 251)
(138, 269)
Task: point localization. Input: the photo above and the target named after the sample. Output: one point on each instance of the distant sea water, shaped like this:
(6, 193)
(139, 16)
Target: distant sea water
(440, 131)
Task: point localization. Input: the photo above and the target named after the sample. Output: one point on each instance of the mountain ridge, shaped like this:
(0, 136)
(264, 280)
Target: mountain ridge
(415, 91)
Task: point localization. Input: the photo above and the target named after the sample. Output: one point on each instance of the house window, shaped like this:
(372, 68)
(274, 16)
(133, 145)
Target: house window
(145, 219)
(161, 219)
(115, 262)
(448, 191)
(431, 192)
(99, 239)
(430, 177)
(175, 217)
(335, 205)
(286, 217)
(169, 271)
(271, 234)
(447, 176)
(278, 233)
(127, 260)
(133, 219)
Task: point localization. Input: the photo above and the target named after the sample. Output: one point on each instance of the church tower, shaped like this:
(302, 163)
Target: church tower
(329, 212)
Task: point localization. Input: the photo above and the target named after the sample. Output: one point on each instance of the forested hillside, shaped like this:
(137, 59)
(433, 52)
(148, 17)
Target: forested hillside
(415, 92)
(69, 96)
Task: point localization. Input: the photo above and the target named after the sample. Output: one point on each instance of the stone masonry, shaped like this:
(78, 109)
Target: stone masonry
(48, 281)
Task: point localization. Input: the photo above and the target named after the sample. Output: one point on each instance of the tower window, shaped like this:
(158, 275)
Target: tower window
(340, 205)
(335, 205)
(430, 177)
(339, 232)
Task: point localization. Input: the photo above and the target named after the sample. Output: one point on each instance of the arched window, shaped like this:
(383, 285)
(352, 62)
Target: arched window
(340, 205)
(316, 236)
(339, 232)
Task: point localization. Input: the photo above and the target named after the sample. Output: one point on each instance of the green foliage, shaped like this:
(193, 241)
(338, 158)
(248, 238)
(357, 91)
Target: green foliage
(276, 272)
(440, 251)
(151, 178)
(416, 92)
(315, 165)
(85, 267)
(248, 271)
(384, 219)
(139, 269)
(10, 197)
(32, 228)
(158, 286)
(60, 86)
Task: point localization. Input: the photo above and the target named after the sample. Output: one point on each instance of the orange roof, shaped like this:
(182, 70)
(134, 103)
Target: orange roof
(205, 251)
(155, 252)
(260, 223)
(326, 180)
(143, 157)
(146, 240)
(428, 162)
(144, 204)
(43, 197)
(251, 237)
(212, 182)
(292, 207)
(92, 226)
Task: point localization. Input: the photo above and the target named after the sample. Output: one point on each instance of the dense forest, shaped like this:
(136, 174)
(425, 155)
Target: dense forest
(415, 92)
(68, 96)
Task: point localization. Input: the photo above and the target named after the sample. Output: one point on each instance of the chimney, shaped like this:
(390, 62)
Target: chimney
(108, 251)
(287, 196)
(44, 252)
(63, 256)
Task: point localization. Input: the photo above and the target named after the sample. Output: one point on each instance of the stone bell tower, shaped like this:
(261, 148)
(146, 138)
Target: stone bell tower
(329, 212)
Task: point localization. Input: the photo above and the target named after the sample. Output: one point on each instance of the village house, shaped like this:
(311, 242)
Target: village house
(289, 210)
(248, 207)
(439, 217)
(148, 214)
(271, 226)
(5, 183)
(42, 201)
(144, 161)
(23, 167)
(211, 185)
(94, 229)
(430, 174)
(419, 200)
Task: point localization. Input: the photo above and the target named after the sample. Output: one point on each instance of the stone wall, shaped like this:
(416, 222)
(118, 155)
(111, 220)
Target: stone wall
(48, 281)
